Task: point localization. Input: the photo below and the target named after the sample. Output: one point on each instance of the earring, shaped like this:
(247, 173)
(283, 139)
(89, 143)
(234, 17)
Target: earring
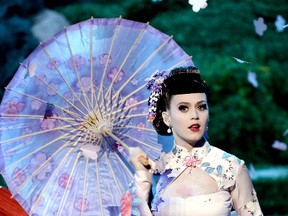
(169, 130)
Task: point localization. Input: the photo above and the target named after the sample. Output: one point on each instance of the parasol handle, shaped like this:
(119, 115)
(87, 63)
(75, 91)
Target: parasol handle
(142, 159)
(109, 133)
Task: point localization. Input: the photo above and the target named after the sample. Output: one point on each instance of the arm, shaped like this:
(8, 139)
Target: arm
(135, 200)
(244, 197)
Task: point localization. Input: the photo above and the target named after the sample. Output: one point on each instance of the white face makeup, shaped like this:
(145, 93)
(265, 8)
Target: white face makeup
(188, 116)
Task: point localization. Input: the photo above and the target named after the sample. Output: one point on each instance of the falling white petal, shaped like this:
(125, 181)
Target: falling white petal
(252, 78)
(260, 26)
(241, 61)
(198, 4)
(279, 145)
(280, 23)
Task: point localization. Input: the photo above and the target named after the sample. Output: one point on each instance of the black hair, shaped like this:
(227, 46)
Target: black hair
(181, 80)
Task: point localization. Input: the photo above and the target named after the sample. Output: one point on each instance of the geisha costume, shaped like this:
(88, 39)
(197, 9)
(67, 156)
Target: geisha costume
(234, 193)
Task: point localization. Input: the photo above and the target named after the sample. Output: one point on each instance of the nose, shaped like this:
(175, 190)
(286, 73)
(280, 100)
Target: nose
(194, 115)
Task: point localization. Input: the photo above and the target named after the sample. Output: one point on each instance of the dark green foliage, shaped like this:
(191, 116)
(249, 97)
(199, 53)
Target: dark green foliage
(244, 120)
(2, 182)
(272, 195)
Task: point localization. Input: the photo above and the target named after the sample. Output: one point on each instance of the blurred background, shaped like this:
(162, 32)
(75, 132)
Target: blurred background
(240, 48)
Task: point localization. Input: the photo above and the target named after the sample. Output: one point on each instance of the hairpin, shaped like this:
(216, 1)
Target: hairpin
(154, 85)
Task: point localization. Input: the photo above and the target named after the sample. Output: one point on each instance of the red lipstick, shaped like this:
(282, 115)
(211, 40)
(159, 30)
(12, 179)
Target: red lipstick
(194, 127)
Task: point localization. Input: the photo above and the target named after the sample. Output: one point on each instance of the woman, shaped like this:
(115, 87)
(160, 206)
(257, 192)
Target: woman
(194, 178)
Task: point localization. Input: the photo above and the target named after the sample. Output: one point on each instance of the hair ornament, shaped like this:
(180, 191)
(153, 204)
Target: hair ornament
(154, 85)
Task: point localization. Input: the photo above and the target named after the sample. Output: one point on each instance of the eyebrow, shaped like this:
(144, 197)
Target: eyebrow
(198, 102)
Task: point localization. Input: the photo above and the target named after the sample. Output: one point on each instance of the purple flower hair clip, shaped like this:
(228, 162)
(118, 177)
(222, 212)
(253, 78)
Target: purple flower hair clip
(154, 85)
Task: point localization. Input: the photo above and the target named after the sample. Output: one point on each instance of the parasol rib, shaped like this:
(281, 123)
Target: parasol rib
(49, 182)
(27, 116)
(84, 186)
(126, 58)
(91, 63)
(113, 174)
(140, 142)
(43, 101)
(36, 171)
(37, 150)
(98, 186)
(76, 70)
(68, 183)
(141, 66)
(135, 127)
(61, 96)
(37, 133)
(61, 74)
(107, 61)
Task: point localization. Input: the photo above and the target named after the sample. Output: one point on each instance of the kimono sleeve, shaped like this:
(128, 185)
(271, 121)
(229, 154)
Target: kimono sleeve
(244, 196)
(135, 200)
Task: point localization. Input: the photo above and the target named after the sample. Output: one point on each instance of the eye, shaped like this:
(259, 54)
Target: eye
(183, 108)
(202, 107)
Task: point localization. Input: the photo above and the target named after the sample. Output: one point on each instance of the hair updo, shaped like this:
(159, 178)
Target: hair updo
(181, 80)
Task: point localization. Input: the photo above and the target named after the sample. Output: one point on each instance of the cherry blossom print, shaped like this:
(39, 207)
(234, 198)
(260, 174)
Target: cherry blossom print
(260, 26)
(41, 201)
(13, 107)
(18, 176)
(47, 124)
(81, 204)
(50, 88)
(140, 126)
(191, 161)
(35, 105)
(134, 82)
(53, 63)
(38, 160)
(40, 81)
(76, 62)
(126, 204)
(104, 58)
(198, 4)
(130, 102)
(28, 139)
(85, 83)
(63, 181)
(113, 73)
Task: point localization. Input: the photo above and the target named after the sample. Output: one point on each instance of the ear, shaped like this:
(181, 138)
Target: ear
(166, 118)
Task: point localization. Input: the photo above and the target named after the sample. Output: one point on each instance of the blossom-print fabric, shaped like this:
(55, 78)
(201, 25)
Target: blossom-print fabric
(235, 190)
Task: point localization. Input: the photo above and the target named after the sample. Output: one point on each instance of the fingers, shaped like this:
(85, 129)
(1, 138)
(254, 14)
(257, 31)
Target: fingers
(139, 159)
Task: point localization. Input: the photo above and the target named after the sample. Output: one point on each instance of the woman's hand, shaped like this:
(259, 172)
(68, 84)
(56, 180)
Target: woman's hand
(139, 159)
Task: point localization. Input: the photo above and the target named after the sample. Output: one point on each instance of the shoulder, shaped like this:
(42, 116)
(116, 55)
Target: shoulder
(228, 166)
(225, 156)
(161, 162)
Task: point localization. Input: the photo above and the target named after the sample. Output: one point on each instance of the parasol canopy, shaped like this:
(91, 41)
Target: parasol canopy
(72, 110)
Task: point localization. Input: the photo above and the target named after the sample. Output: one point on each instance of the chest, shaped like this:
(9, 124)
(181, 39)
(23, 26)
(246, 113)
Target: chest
(191, 182)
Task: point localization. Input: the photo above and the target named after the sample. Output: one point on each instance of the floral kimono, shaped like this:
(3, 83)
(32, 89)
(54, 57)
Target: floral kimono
(234, 188)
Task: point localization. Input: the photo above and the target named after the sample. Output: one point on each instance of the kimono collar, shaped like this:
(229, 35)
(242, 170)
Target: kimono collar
(197, 153)
(180, 158)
